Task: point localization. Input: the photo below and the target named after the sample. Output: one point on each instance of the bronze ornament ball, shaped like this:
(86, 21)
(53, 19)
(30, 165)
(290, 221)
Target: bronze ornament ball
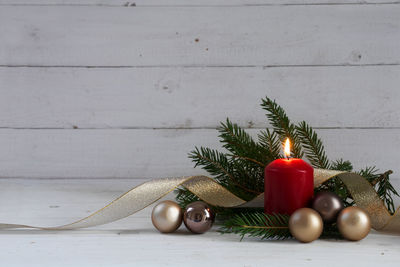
(166, 216)
(306, 225)
(354, 223)
(198, 217)
(328, 205)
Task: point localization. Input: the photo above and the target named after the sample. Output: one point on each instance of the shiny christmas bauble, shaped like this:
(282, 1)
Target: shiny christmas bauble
(198, 217)
(166, 216)
(306, 225)
(353, 223)
(328, 205)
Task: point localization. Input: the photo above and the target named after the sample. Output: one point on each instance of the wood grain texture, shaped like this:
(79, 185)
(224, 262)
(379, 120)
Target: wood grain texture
(120, 91)
(199, 3)
(134, 241)
(209, 36)
(140, 153)
(197, 97)
(117, 73)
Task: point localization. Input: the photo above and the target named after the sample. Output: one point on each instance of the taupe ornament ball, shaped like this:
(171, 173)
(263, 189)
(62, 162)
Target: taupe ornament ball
(166, 216)
(354, 223)
(328, 205)
(306, 225)
(198, 217)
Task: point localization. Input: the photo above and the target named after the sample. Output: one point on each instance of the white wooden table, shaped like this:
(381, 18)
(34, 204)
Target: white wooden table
(135, 242)
(119, 88)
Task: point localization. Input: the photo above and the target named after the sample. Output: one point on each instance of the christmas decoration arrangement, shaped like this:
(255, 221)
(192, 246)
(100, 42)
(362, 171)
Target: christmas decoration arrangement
(256, 190)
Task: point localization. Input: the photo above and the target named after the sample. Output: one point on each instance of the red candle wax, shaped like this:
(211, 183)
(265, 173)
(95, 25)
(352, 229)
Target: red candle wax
(289, 185)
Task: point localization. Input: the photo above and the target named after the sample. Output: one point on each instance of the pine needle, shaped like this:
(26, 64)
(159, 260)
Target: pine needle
(241, 145)
(271, 142)
(258, 224)
(282, 125)
(383, 187)
(314, 149)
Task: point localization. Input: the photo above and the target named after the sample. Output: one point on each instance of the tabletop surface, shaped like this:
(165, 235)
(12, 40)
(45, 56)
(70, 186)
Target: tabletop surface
(135, 242)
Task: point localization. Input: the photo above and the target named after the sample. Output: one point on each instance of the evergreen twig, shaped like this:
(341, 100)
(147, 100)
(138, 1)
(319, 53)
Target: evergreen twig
(241, 144)
(258, 224)
(282, 125)
(382, 185)
(342, 165)
(225, 171)
(386, 191)
(214, 162)
(255, 223)
(314, 149)
(271, 142)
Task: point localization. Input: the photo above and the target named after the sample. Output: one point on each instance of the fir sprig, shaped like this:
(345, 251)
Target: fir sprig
(383, 187)
(241, 145)
(386, 191)
(225, 171)
(255, 223)
(313, 147)
(341, 165)
(271, 142)
(258, 224)
(282, 125)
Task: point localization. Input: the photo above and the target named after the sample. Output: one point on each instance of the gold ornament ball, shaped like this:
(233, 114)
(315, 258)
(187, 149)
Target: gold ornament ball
(167, 216)
(306, 225)
(354, 223)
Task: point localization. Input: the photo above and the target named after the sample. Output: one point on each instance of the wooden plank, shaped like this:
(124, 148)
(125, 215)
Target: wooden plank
(208, 36)
(197, 97)
(134, 241)
(140, 3)
(145, 246)
(144, 154)
(51, 202)
(56, 202)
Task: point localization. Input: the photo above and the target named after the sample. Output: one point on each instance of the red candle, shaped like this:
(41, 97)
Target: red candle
(289, 184)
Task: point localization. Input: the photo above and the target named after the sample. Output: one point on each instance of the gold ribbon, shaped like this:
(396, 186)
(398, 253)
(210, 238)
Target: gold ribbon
(214, 194)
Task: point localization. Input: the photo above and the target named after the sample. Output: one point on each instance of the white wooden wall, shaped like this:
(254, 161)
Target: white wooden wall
(117, 89)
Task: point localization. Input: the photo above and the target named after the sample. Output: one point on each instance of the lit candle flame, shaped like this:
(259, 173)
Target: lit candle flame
(286, 148)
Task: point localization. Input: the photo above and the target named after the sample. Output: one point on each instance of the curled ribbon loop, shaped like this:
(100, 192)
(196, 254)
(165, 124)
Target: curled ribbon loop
(214, 194)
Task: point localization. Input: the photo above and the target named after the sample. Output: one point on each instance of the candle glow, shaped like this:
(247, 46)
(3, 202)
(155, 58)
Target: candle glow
(286, 148)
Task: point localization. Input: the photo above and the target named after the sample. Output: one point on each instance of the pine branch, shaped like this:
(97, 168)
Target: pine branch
(214, 162)
(370, 173)
(382, 185)
(270, 141)
(242, 145)
(255, 223)
(282, 125)
(258, 224)
(248, 174)
(386, 191)
(341, 165)
(314, 149)
(226, 172)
